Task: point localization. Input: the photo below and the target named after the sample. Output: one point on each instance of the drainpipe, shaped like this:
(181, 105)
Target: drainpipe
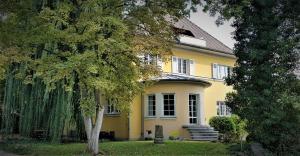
(142, 116)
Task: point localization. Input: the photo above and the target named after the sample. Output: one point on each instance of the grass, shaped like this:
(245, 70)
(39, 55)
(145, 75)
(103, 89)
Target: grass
(121, 148)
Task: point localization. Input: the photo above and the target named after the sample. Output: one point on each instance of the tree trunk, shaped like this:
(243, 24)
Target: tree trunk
(93, 132)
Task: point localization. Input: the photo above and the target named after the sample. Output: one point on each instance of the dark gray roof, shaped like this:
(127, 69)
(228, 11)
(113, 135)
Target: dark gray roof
(211, 42)
(171, 77)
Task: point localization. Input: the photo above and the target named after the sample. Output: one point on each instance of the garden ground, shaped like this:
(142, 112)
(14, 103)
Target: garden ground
(122, 148)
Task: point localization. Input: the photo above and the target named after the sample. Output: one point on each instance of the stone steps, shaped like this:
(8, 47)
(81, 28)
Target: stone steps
(209, 138)
(202, 133)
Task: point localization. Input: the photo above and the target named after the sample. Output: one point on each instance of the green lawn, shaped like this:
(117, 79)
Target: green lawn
(122, 148)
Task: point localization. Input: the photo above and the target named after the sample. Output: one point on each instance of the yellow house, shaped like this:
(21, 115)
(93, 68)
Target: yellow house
(190, 91)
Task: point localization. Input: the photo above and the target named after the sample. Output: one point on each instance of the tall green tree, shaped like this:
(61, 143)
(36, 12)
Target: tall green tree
(96, 42)
(267, 49)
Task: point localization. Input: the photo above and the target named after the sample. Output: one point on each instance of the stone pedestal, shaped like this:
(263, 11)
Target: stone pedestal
(159, 137)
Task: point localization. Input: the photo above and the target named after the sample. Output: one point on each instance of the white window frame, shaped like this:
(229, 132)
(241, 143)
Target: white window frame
(220, 72)
(150, 59)
(181, 68)
(154, 104)
(194, 110)
(223, 109)
(111, 108)
(163, 105)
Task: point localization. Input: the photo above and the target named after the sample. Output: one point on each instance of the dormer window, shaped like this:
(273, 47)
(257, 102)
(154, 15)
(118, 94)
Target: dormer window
(187, 37)
(185, 32)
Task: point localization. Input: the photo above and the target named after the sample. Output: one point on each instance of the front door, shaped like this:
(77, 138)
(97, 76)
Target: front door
(193, 113)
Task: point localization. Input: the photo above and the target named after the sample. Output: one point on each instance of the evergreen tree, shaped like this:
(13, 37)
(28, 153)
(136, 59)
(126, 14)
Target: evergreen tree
(52, 44)
(267, 49)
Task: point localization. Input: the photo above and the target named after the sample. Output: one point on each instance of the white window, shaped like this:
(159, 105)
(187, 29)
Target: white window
(222, 109)
(220, 71)
(169, 104)
(151, 60)
(151, 105)
(111, 108)
(183, 66)
(193, 109)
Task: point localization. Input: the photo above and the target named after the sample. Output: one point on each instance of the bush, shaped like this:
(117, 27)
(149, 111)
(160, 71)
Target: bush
(225, 126)
(230, 128)
(240, 126)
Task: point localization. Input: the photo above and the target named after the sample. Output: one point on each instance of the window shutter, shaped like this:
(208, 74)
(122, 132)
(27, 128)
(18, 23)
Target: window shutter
(159, 62)
(226, 71)
(214, 71)
(174, 64)
(141, 57)
(192, 67)
(229, 71)
(221, 72)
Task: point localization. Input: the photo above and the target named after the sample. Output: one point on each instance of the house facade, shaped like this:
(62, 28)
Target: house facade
(189, 92)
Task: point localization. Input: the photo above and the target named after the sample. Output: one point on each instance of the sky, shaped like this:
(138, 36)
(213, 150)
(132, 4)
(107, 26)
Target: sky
(223, 32)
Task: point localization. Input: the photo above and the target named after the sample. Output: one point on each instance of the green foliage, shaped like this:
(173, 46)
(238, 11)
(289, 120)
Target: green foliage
(225, 126)
(222, 124)
(240, 127)
(48, 48)
(267, 49)
(87, 105)
(33, 108)
(232, 128)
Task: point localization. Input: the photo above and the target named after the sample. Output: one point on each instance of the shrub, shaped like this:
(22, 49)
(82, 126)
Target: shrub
(174, 135)
(230, 128)
(225, 126)
(222, 124)
(240, 126)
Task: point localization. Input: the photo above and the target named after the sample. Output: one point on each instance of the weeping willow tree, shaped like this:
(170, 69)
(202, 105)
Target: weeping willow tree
(51, 47)
(32, 107)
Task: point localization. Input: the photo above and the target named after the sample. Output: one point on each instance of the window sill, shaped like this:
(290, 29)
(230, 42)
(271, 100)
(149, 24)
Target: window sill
(150, 117)
(168, 117)
(112, 115)
(219, 80)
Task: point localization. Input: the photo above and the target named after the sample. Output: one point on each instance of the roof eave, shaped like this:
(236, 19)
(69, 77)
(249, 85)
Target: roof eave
(203, 83)
(204, 50)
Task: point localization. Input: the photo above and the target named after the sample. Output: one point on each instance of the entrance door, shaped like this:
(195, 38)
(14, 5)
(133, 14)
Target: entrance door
(193, 114)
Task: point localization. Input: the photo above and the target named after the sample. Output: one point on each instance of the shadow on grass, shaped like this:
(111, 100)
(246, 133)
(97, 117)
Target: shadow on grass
(239, 149)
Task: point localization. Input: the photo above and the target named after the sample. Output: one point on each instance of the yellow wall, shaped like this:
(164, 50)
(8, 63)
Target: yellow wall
(132, 128)
(203, 68)
(116, 123)
(203, 61)
(216, 92)
(135, 119)
(172, 125)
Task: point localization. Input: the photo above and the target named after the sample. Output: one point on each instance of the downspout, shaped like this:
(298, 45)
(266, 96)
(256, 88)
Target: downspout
(128, 117)
(142, 117)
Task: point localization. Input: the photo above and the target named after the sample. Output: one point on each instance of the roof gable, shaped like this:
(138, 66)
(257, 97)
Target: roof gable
(211, 42)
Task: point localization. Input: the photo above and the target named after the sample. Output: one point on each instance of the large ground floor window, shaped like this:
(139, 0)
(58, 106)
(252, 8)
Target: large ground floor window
(151, 105)
(169, 104)
(193, 109)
